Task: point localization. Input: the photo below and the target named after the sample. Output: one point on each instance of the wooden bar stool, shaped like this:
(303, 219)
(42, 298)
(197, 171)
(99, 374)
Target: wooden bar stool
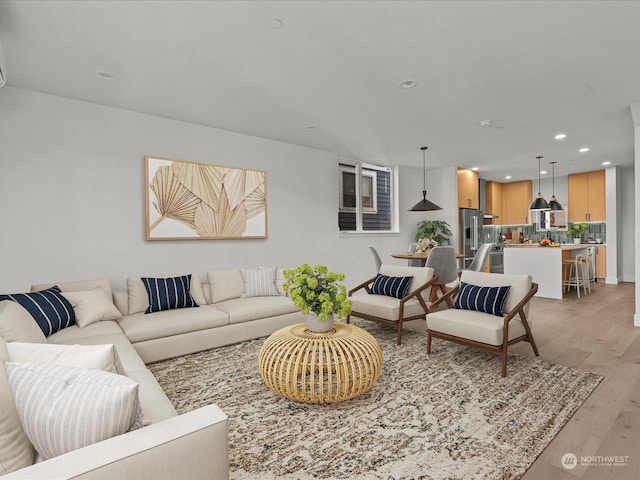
(574, 274)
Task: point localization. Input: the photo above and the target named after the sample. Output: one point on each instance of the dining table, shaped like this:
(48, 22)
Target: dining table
(422, 256)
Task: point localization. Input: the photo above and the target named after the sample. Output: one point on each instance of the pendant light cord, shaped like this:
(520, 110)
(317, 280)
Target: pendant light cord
(424, 171)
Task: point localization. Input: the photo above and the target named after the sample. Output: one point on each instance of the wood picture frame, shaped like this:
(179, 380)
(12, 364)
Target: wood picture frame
(188, 200)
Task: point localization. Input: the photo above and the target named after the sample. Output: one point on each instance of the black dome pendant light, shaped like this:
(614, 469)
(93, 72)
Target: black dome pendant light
(424, 205)
(539, 203)
(554, 204)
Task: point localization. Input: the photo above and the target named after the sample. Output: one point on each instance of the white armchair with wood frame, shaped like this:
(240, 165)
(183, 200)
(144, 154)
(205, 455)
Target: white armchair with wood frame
(390, 300)
(480, 319)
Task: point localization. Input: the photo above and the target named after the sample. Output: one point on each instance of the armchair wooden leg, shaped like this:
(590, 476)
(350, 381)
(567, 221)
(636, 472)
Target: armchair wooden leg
(428, 343)
(504, 361)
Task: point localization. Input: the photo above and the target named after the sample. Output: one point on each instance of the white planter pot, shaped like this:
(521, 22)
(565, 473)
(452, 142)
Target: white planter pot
(577, 240)
(316, 326)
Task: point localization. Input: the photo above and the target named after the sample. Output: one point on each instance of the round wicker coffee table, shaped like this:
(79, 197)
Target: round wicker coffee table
(320, 367)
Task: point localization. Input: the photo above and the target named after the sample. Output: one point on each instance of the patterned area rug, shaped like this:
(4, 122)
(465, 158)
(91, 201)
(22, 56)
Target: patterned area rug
(449, 415)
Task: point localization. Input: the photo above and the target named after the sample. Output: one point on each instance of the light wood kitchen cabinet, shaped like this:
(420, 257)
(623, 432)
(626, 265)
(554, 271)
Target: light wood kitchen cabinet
(468, 189)
(493, 202)
(587, 196)
(516, 200)
(601, 262)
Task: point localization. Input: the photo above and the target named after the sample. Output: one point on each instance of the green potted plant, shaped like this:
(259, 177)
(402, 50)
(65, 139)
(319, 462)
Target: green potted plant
(318, 293)
(576, 230)
(436, 230)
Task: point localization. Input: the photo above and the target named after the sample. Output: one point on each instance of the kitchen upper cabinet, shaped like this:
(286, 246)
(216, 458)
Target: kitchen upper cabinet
(468, 189)
(516, 200)
(493, 202)
(587, 196)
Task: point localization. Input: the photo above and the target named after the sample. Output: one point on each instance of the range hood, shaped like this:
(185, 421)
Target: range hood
(482, 191)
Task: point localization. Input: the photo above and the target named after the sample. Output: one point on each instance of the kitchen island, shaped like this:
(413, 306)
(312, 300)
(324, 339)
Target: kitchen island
(544, 264)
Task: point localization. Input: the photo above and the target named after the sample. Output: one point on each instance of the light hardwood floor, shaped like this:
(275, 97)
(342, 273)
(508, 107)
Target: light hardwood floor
(596, 334)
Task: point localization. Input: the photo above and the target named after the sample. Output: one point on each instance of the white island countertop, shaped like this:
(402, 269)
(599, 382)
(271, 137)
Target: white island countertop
(544, 264)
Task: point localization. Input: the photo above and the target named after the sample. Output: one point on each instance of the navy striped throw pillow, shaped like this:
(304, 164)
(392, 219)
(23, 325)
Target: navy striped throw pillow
(168, 293)
(397, 287)
(50, 310)
(482, 299)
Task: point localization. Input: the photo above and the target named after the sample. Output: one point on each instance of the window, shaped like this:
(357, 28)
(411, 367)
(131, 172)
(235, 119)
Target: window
(366, 200)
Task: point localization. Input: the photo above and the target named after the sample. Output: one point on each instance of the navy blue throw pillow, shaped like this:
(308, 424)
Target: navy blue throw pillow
(50, 310)
(168, 293)
(482, 299)
(397, 287)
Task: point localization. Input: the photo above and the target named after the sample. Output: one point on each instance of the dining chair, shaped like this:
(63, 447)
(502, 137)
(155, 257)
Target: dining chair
(413, 247)
(445, 264)
(376, 257)
(480, 258)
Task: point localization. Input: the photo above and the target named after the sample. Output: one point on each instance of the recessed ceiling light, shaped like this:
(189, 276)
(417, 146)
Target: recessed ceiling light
(606, 163)
(408, 83)
(560, 136)
(584, 150)
(543, 172)
(310, 127)
(475, 169)
(485, 123)
(105, 75)
(508, 177)
(276, 23)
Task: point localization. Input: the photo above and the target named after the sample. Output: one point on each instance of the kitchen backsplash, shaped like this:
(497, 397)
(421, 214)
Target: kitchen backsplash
(492, 233)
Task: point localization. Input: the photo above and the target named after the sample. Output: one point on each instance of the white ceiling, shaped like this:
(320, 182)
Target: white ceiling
(533, 68)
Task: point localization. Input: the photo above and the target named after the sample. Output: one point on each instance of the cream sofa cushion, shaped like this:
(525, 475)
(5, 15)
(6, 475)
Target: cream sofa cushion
(139, 298)
(16, 451)
(17, 325)
(140, 327)
(75, 286)
(478, 326)
(253, 308)
(92, 306)
(101, 357)
(225, 284)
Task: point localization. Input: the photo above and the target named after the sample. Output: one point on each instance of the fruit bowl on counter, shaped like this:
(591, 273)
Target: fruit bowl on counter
(545, 242)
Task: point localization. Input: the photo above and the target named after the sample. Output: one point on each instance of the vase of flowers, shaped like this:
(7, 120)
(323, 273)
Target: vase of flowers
(318, 293)
(425, 245)
(576, 230)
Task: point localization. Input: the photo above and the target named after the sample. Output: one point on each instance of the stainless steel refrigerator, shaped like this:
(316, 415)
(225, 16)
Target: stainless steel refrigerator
(470, 233)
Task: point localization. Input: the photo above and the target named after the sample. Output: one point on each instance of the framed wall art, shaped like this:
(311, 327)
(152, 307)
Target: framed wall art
(189, 200)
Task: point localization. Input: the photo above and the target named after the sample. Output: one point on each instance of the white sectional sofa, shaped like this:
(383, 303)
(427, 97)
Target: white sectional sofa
(193, 445)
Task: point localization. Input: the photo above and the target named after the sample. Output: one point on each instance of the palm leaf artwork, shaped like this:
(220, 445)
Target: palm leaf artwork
(224, 197)
(173, 200)
(226, 222)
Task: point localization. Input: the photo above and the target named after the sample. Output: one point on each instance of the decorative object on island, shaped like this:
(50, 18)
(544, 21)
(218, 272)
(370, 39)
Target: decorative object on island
(424, 205)
(189, 200)
(554, 204)
(576, 230)
(539, 203)
(545, 242)
(436, 230)
(318, 294)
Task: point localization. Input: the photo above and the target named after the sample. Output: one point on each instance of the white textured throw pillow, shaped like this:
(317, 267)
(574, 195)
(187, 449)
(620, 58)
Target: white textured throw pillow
(101, 357)
(17, 325)
(92, 306)
(66, 408)
(259, 282)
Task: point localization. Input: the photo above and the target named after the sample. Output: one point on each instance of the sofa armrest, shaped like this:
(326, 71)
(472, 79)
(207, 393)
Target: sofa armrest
(193, 445)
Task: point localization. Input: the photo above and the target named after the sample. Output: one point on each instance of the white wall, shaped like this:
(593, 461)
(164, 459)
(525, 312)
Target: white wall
(72, 197)
(626, 240)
